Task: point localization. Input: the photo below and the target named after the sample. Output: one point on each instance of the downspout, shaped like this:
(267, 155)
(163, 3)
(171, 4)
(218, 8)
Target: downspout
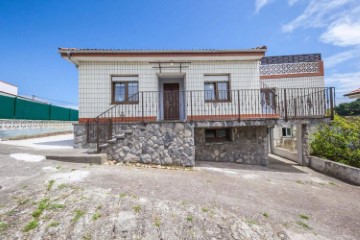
(69, 57)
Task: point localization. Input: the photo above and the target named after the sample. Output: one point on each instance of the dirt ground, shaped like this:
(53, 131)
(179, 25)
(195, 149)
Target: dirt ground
(45, 199)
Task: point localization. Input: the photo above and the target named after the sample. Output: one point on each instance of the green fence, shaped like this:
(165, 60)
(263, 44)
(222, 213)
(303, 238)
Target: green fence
(12, 107)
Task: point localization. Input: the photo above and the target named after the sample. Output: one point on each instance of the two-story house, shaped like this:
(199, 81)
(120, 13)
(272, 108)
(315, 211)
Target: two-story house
(178, 106)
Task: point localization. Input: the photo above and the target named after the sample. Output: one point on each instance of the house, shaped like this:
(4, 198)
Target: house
(301, 71)
(8, 88)
(353, 94)
(178, 106)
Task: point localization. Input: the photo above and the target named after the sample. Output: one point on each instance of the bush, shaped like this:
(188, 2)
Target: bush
(338, 141)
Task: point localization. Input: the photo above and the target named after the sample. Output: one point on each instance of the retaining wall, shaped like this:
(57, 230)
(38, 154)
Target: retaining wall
(30, 128)
(341, 171)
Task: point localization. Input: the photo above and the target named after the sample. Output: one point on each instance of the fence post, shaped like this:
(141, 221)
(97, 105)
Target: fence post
(191, 107)
(97, 135)
(88, 131)
(110, 129)
(285, 105)
(238, 96)
(142, 106)
(295, 107)
(15, 99)
(331, 104)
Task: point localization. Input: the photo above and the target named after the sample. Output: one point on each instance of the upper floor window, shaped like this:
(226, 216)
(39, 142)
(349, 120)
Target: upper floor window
(217, 88)
(125, 89)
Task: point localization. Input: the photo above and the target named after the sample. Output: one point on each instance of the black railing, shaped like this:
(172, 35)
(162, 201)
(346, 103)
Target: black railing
(230, 105)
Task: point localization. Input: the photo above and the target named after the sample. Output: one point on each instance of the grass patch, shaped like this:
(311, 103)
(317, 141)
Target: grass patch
(303, 216)
(99, 207)
(3, 226)
(31, 225)
(189, 218)
(58, 167)
(22, 201)
(251, 222)
(205, 210)
(62, 186)
(122, 195)
(56, 206)
(50, 184)
(332, 183)
(43, 204)
(74, 169)
(78, 215)
(157, 222)
(53, 224)
(96, 216)
(137, 208)
(24, 187)
(300, 182)
(265, 214)
(303, 225)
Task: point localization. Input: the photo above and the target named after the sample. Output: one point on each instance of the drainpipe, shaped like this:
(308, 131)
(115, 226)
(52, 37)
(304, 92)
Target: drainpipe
(69, 57)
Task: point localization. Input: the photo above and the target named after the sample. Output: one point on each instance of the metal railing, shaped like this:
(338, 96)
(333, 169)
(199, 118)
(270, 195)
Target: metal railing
(228, 105)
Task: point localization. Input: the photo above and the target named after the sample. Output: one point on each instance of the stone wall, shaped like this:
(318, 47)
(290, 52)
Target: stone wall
(249, 145)
(11, 128)
(80, 138)
(156, 143)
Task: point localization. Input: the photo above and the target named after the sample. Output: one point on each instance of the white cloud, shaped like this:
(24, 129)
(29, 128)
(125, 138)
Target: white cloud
(342, 34)
(259, 4)
(292, 2)
(341, 57)
(344, 82)
(318, 13)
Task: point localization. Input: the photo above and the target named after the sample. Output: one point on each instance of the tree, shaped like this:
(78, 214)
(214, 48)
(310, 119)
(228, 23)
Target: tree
(349, 109)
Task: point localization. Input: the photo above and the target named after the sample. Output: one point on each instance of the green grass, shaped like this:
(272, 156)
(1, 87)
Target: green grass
(122, 195)
(303, 216)
(251, 222)
(74, 169)
(3, 226)
(205, 210)
(31, 225)
(265, 214)
(189, 218)
(303, 225)
(137, 208)
(43, 204)
(78, 215)
(53, 224)
(332, 183)
(22, 201)
(56, 206)
(300, 182)
(62, 186)
(96, 216)
(50, 184)
(157, 222)
(58, 167)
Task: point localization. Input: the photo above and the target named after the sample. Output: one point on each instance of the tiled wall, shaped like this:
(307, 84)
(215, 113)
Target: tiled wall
(95, 81)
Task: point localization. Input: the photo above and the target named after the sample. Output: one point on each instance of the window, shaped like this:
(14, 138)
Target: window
(217, 88)
(125, 91)
(286, 132)
(217, 135)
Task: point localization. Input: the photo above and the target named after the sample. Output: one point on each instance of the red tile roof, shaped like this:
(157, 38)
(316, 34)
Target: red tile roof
(355, 92)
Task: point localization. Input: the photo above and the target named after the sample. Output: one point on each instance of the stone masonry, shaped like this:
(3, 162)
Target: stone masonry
(248, 145)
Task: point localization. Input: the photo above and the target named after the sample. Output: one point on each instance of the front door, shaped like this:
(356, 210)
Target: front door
(171, 101)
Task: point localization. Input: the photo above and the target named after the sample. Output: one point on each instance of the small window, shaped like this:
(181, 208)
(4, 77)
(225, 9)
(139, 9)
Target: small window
(286, 132)
(217, 88)
(125, 91)
(217, 135)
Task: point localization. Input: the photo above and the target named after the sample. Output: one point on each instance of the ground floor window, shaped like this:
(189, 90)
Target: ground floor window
(286, 132)
(217, 134)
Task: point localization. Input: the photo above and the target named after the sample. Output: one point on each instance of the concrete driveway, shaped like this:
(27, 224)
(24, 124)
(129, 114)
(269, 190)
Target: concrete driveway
(47, 199)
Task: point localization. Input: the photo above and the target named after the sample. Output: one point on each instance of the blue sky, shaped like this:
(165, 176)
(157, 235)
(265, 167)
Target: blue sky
(31, 32)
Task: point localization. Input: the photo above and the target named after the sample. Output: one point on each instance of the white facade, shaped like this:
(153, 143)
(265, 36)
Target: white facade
(95, 83)
(8, 88)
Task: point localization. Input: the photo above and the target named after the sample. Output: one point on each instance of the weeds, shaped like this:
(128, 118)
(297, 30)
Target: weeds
(189, 218)
(157, 222)
(137, 208)
(303, 225)
(265, 214)
(205, 210)
(122, 195)
(78, 215)
(53, 224)
(303, 216)
(43, 204)
(31, 225)
(96, 216)
(50, 184)
(3, 226)
(56, 206)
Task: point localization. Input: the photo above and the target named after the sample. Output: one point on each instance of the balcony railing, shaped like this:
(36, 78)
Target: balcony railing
(228, 105)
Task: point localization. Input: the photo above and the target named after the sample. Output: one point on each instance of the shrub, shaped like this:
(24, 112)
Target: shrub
(338, 141)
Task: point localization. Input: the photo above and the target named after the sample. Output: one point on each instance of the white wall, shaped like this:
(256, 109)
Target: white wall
(8, 88)
(95, 84)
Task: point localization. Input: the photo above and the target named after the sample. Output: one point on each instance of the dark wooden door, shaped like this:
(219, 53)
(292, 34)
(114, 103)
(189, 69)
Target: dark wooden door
(171, 101)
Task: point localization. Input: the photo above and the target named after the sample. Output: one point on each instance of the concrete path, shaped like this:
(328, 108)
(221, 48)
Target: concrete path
(48, 199)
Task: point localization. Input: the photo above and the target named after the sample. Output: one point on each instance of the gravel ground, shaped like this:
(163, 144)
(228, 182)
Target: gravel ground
(47, 199)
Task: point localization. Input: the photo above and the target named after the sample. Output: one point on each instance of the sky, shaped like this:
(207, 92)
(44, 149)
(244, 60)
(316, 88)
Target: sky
(31, 32)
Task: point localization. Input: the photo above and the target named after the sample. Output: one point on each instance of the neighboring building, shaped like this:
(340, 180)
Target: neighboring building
(8, 88)
(175, 106)
(298, 72)
(353, 94)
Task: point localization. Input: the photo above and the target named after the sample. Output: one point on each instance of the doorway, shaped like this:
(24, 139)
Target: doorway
(171, 101)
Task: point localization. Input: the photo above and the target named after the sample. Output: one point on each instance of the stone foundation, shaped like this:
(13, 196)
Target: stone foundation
(155, 143)
(248, 145)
